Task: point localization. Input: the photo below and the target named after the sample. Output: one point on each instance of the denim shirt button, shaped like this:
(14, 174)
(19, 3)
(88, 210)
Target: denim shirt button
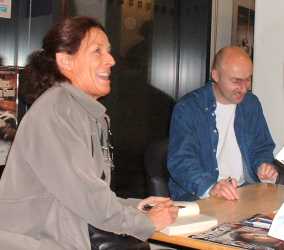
(214, 150)
(215, 131)
(213, 114)
(206, 109)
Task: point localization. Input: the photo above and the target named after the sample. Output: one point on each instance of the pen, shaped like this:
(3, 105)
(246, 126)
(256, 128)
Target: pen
(147, 207)
(229, 179)
(265, 225)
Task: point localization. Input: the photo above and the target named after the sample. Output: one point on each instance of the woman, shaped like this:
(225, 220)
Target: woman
(56, 180)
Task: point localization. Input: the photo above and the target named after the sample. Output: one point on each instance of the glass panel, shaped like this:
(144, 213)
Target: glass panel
(19, 36)
(195, 19)
(8, 34)
(23, 32)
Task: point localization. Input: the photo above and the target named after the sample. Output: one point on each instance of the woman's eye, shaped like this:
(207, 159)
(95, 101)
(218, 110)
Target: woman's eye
(98, 50)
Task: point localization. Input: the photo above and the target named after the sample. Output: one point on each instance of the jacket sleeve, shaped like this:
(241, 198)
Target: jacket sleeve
(184, 164)
(58, 155)
(262, 143)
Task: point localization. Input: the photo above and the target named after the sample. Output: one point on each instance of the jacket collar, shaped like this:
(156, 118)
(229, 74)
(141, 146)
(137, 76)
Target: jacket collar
(210, 100)
(90, 104)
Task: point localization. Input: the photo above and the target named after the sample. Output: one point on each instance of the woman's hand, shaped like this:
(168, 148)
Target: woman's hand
(160, 210)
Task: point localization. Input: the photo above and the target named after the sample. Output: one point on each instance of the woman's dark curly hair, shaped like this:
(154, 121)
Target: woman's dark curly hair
(41, 71)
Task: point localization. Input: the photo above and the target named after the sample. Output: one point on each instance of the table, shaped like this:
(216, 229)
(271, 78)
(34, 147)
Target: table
(255, 198)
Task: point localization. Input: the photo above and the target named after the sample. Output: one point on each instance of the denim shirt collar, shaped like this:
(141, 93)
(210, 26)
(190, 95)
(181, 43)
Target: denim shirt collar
(210, 100)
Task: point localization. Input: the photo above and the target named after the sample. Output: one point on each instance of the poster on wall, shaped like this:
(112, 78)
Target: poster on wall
(5, 8)
(243, 25)
(245, 29)
(9, 78)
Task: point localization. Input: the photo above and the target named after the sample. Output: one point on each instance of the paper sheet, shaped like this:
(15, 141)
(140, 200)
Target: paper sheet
(188, 208)
(277, 227)
(280, 156)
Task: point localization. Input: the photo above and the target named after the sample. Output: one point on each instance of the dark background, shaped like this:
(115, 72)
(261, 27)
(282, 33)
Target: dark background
(170, 59)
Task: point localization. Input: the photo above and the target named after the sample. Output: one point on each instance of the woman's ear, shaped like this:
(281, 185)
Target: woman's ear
(64, 61)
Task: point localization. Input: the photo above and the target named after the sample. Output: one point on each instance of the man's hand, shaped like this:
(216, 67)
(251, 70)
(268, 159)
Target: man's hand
(162, 213)
(267, 172)
(225, 189)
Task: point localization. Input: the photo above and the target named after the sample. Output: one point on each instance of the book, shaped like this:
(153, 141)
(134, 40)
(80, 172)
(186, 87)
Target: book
(251, 233)
(189, 220)
(258, 221)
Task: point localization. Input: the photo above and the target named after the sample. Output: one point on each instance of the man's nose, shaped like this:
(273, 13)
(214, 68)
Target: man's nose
(245, 86)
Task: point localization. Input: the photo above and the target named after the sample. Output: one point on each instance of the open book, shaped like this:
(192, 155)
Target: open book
(190, 220)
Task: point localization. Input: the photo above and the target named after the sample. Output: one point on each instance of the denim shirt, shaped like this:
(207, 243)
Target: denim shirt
(192, 162)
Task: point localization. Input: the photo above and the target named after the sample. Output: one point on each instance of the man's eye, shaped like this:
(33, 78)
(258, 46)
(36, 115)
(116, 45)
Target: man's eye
(238, 81)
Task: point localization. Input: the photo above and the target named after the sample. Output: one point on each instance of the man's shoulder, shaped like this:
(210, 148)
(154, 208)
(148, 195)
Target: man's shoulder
(198, 97)
(250, 100)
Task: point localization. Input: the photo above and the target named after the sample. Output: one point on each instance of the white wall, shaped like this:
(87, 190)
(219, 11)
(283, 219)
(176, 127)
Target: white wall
(268, 80)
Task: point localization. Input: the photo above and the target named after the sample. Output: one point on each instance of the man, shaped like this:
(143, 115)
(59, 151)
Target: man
(219, 138)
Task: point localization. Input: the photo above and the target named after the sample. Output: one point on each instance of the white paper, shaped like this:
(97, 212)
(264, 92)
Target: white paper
(187, 208)
(5, 8)
(280, 156)
(277, 226)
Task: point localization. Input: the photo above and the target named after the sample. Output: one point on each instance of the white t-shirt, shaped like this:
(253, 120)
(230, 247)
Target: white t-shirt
(229, 158)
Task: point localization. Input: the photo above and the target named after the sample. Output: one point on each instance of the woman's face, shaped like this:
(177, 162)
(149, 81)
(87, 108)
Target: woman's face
(90, 66)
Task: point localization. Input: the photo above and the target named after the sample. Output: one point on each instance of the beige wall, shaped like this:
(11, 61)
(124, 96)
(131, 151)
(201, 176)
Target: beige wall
(268, 82)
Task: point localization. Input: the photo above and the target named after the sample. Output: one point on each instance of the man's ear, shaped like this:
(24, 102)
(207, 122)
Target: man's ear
(64, 61)
(215, 75)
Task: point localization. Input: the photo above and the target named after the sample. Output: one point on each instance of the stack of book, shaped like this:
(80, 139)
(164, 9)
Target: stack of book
(190, 220)
(251, 233)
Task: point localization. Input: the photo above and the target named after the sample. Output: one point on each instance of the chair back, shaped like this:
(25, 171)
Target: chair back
(155, 162)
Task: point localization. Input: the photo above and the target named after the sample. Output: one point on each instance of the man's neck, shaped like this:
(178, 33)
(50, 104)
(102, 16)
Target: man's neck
(218, 95)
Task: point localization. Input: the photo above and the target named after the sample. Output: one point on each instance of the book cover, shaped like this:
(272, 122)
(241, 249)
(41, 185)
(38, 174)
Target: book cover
(251, 233)
(190, 220)
(8, 109)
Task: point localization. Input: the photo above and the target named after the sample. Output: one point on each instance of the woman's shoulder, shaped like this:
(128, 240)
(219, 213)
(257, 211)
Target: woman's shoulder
(55, 101)
(54, 96)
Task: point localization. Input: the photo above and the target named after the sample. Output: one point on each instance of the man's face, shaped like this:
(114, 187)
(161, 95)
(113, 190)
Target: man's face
(91, 64)
(232, 80)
